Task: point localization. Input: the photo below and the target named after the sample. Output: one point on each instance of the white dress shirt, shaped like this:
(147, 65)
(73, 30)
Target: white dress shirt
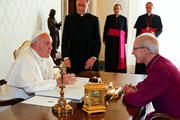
(30, 73)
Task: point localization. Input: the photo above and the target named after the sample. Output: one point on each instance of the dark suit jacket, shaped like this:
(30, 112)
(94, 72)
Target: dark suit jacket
(81, 40)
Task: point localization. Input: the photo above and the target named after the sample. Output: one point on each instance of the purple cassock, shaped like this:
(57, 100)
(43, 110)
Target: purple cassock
(161, 87)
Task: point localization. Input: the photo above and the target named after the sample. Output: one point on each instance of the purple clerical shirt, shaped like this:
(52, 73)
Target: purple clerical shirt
(161, 87)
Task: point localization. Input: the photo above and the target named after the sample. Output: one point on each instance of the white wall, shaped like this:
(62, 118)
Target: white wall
(169, 38)
(19, 19)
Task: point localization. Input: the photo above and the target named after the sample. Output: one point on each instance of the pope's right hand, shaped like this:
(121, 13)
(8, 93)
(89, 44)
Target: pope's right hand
(68, 79)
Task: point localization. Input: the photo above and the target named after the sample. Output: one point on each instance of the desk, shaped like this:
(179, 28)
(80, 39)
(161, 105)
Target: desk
(115, 110)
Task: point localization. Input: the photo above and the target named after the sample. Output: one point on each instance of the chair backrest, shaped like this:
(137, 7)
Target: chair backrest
(25, 44)
(161, 116)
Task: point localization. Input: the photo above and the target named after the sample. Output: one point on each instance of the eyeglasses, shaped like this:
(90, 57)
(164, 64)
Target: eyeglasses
(138, 48)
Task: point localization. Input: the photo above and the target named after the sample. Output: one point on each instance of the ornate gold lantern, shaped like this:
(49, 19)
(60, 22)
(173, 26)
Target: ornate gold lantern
(94, 98)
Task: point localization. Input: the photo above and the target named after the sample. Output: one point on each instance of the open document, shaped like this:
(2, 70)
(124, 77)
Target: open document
(42, 101)
(73, 92)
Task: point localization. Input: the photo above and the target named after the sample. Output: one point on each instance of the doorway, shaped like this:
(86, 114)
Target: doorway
(71, 6)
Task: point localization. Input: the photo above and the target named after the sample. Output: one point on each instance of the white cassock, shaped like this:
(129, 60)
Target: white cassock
(30, 73)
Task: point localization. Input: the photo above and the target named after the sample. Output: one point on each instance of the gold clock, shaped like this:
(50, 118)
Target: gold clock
(94, 98)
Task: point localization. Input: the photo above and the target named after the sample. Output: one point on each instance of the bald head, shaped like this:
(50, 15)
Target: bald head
(148, 41)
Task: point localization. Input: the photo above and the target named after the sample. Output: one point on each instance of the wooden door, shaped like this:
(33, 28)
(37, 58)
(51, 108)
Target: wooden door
(72, 6)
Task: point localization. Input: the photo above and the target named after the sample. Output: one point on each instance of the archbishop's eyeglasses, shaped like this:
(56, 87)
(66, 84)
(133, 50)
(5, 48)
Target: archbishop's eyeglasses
(139, 48)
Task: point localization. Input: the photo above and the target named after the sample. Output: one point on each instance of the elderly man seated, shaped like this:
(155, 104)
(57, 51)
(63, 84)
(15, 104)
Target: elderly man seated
(33, 69)
(162, 84)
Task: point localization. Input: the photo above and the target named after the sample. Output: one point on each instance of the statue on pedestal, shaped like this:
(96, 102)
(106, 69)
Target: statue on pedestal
(54, 28)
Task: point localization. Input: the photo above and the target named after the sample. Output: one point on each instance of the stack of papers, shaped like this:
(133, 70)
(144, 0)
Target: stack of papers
(73, 92)
(42, 101)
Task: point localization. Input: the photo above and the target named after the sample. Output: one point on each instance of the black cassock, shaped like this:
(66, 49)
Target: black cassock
(81, 40)
(144, 24)
(115, 36)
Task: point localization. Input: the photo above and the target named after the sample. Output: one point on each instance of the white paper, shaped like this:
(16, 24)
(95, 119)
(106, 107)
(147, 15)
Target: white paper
(42, 101)
(72, 92)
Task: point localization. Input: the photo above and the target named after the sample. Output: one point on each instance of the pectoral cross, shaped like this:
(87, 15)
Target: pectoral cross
(147, 28)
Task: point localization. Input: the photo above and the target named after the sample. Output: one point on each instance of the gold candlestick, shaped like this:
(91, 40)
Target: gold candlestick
(61, 107)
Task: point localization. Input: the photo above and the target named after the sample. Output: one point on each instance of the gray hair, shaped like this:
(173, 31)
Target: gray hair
(148, 41)
(35, 36)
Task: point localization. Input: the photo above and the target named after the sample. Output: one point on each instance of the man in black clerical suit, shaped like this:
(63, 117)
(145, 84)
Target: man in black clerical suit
(115, 37)
(81, 41)
(149, 23)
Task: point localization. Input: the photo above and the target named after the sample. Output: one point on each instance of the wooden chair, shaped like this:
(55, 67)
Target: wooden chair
(161, 116)
(25, 44)
(141, 114)
(10, 101)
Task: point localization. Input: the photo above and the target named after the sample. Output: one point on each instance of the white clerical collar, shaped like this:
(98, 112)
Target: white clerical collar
(82, 14)
(117, 15)
(149, 14)
(40, 59)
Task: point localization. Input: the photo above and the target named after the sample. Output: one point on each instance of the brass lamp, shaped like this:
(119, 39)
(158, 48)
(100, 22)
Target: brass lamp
(113, 91)
(94, 98)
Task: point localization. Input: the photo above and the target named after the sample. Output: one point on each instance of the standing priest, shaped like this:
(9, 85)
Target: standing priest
(147, 23)
(115, 37)
(81, 41)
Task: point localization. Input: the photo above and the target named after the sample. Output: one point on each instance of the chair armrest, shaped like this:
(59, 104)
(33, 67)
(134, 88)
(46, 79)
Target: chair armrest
(161, 116)
(2, 82)
(141, 113)
(10, 101)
